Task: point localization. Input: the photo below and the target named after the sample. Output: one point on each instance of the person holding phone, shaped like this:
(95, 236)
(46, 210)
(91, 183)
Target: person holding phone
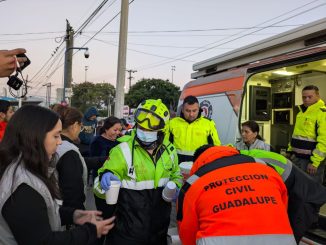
(9, 59)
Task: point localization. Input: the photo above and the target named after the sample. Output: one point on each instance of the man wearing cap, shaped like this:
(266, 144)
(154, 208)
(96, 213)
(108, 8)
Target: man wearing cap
(6, 112)
(191, 130)
(144, 163)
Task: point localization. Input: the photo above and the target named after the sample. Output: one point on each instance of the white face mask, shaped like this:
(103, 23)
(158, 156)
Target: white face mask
(146, 136)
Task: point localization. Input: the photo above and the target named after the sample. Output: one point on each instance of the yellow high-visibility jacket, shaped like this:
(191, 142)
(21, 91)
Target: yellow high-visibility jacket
(309, 135)
(187, 137)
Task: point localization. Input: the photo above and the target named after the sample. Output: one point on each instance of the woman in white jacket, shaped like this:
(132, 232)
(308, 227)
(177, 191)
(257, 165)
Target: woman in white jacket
(251, 138)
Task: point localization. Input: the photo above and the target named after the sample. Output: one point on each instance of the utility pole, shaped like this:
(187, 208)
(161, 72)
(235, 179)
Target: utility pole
(119, 102)
(172, 70)
(68, 60)
(48, 94)
(130, 77)
(86, 68)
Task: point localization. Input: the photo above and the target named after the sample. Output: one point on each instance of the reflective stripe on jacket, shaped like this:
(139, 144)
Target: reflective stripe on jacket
(231, 199)
(281, 164)
(142, 213)
(187, 137)
(309, 135)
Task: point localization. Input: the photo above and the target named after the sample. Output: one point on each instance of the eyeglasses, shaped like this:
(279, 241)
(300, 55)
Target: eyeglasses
(154, 121)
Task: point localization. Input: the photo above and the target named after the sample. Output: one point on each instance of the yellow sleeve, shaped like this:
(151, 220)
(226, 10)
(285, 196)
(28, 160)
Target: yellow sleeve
(116, 164)
(214, 134)
(319, 153)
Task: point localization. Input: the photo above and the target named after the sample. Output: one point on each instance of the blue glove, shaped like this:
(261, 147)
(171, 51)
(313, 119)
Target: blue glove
(176, 195)
(106, 180)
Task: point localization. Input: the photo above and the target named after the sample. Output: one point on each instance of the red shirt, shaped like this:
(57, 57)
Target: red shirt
(3, 126)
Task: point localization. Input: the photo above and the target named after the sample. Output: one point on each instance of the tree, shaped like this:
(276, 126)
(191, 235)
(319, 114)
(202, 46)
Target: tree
(153, 89)
(89, 94)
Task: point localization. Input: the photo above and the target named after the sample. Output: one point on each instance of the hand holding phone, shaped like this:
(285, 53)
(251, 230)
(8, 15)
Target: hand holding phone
(23, 61)
(8, 61)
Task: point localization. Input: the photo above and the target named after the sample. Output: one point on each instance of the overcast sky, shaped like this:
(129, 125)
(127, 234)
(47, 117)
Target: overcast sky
(162, 34)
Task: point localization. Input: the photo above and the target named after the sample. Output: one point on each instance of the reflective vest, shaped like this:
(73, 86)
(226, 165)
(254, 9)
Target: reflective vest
(309, 135)
(142, 213)
(137, 170)
(187, 137)
(281, 164)
(13, 177)
(233, 199)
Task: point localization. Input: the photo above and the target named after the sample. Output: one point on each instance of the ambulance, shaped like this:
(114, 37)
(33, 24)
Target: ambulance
(262, 82)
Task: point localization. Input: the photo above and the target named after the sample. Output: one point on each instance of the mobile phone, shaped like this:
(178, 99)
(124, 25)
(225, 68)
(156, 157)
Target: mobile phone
(24, 64)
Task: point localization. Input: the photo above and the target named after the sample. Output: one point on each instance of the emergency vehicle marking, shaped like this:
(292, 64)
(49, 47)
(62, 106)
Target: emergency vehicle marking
(245, 177)
(243, 202)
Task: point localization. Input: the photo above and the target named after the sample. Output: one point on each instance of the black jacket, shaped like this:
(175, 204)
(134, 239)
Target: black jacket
(70, 174)
(143, 217)
(26, 214)
(306, 196)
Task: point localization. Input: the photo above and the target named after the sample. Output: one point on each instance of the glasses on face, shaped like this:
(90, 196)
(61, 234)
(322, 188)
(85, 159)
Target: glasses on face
(154, 121)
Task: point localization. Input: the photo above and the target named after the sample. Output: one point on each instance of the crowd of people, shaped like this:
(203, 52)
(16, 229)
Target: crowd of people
(241, 194)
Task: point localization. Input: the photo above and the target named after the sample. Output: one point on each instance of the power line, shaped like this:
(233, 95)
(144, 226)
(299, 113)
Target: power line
(57, 55)
(149, 31)
(184, 55)
(137, 51)
(88, 20)
(105, 25)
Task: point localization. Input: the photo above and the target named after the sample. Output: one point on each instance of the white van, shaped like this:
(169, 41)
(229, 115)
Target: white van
(263, 82)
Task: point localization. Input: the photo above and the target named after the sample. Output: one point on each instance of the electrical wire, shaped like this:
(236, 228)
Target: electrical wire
(192, 53)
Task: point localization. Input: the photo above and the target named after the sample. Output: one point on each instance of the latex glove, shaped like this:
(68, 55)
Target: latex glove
(106, 180)
(176, 195)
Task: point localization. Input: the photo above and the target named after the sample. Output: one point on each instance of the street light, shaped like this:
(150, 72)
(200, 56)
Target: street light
(172, 70)
(68, 70)
(86, 68)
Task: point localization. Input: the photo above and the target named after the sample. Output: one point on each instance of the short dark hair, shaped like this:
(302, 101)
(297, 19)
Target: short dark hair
(24, 141)
(109, 123)
(201, 150)
(311, 87)
(4, 106)
(190, 100)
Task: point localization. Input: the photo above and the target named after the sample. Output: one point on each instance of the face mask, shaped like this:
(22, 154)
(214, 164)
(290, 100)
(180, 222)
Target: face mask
(146, 136)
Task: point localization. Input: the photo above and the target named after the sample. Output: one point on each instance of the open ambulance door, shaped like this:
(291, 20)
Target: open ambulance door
(272, 93)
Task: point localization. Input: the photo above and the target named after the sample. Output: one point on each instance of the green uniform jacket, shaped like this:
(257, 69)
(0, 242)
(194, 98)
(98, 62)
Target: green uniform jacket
(142, 214)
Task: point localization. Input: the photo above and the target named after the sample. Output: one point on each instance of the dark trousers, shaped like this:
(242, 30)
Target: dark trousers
(302, 163)
(107, 212)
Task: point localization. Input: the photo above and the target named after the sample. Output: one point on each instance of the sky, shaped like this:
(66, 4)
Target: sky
(161, 34)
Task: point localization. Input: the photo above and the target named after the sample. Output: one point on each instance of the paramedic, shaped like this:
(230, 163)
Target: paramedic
(191, 130)
(308, 143)
(144, 164)
(231, 198)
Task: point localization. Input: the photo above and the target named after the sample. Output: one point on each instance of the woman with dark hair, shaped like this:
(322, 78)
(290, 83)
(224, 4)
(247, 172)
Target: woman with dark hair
(107, 138)
(251, 138)
(30, 213)
(71, 166)
(101, 146)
